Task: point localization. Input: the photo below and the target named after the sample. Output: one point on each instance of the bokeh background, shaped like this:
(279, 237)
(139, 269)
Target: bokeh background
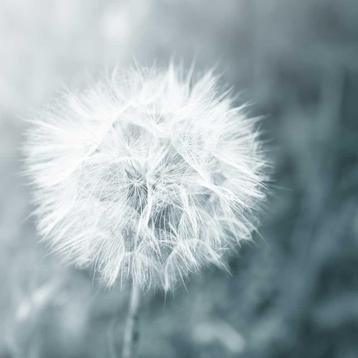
(293, 291)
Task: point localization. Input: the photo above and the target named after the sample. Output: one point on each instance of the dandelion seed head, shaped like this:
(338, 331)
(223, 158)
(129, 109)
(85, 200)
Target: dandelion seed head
(146, 176)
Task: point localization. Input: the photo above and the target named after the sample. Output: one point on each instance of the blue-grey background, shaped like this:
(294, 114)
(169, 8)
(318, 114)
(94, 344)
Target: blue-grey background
(293, 292)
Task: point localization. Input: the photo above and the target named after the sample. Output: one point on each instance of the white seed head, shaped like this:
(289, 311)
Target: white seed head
(146, 176)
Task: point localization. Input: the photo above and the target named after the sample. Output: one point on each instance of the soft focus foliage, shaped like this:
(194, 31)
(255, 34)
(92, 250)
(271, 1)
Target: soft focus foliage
(292, 293)
(147, 176)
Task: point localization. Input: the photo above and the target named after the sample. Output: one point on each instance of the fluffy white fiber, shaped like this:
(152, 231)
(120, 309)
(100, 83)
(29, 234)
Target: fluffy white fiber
(146, 176)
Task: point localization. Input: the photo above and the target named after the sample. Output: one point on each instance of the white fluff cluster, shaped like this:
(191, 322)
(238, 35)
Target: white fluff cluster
(145, 176)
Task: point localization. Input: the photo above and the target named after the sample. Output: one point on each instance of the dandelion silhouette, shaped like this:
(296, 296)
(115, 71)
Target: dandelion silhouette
(146, 176)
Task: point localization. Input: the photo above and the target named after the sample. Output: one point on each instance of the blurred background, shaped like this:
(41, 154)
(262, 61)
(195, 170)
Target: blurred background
(293, 291)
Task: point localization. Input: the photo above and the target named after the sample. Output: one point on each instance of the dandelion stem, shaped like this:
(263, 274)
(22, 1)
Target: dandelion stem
(131, 333)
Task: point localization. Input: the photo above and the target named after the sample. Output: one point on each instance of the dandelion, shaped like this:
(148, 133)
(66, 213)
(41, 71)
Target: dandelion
(146, 176)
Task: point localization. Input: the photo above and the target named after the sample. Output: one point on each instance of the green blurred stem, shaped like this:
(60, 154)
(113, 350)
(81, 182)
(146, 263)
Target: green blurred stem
(131, 333)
